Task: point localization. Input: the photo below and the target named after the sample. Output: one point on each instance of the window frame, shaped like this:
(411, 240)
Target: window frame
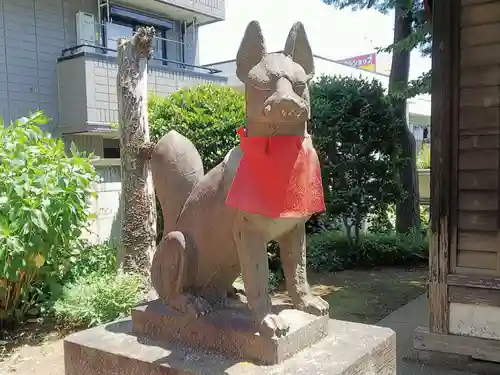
(135, 18)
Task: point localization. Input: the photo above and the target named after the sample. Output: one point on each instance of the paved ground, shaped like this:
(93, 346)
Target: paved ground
(362, 296)
(30, 360)
(47, 359)
(403, 322)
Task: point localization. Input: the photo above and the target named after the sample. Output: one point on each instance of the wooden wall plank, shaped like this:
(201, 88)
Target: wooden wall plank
(478, 200)
(479, 142)
(486, 282)
(474, 296)
(480, 14)
(480, 56)
(470, 271)
(489, 242)
(478, 159)
(473, 2)
(474, 120)
(482, 34)
(477, 259)
(480, 97)
(478, 221)
(468, 346)
(480, 76)
(478, 180)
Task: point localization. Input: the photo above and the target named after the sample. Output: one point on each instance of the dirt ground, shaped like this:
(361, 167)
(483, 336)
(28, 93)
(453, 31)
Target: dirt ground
(364, 296)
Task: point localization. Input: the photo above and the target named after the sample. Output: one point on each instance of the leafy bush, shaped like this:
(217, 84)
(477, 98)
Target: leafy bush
(98, 298)
(384, 221)
(424, 219)
(44, 204)
(331, 251)
(93, 258)
(355, 133)
(207, 115)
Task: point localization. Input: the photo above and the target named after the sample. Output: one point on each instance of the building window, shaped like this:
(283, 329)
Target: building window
(426, 134)
(124, 22)
(111, 148)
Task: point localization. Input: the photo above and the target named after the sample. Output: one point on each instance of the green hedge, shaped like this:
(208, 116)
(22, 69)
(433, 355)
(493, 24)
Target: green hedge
(331, 251)
(208, 115)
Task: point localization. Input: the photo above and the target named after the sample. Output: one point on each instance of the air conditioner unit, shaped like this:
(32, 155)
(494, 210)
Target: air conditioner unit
(85, 31)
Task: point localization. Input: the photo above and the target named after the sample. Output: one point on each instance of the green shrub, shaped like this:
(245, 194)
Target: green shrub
(44, 204)
(331, 251)
(207, 115)
(355, 133)
(93, 258)
(384, 221)
(98, 298)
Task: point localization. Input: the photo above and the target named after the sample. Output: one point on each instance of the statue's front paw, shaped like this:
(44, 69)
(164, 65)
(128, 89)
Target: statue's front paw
(274, 326)
(190, 305)
(313, 305)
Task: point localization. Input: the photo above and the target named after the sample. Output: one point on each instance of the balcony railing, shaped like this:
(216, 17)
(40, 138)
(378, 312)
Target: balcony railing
(178, 50)
(87, 85)
(205, 11)
(208, 10)
(71, 52)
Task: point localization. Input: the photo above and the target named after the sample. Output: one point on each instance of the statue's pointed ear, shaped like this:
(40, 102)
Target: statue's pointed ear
(298, 48)
(252, 50)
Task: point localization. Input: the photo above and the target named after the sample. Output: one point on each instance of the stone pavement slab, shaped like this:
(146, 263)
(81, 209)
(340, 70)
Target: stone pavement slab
(349, 349)
(403, 322)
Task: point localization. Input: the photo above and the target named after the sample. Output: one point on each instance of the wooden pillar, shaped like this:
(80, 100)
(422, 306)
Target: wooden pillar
(444, 144)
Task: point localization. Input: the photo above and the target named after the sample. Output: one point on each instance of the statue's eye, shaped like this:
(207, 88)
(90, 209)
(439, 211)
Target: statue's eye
(260, 88)
(299, 88)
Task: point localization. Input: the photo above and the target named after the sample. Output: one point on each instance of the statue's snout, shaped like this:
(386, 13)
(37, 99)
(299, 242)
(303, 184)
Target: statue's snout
(285, 100)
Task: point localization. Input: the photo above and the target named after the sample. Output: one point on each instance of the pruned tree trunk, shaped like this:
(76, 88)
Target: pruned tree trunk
(407, 210)
(138, 234)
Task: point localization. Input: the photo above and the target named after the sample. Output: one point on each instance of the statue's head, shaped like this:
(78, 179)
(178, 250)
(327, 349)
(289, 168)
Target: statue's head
(276, 84)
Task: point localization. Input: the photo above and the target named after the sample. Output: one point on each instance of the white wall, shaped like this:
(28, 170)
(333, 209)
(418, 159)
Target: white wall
(106, 206)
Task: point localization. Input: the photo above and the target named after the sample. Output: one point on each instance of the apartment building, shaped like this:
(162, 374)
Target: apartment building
(60, 56)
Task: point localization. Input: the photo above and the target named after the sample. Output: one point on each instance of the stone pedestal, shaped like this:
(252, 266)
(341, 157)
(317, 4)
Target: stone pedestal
(230, 331)
(114, 349)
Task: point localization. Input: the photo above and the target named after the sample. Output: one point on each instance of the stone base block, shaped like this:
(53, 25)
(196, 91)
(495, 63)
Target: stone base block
(230, 331)
(349, 349)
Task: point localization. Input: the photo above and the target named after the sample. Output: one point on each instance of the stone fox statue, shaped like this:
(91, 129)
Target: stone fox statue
(217, 225)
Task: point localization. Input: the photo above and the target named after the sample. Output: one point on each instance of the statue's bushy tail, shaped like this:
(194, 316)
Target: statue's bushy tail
(176, 168)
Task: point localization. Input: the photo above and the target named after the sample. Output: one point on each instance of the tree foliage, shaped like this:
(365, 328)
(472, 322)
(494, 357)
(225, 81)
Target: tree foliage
(207, 115)
(44, 204)
(411, 30)
(355, 132)
(420, 37)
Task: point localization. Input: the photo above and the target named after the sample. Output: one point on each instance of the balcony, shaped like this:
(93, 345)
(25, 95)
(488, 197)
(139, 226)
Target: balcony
(204, 11)
(87, 86)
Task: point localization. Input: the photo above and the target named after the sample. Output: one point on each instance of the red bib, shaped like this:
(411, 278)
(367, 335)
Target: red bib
(277, 177)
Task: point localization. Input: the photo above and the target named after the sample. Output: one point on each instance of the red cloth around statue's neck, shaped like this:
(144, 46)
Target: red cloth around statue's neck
(277, 177)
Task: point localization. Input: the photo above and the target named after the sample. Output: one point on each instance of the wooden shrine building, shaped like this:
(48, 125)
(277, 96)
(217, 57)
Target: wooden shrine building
(464, 275)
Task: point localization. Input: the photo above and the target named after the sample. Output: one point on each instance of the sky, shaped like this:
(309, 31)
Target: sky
(333, 33)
